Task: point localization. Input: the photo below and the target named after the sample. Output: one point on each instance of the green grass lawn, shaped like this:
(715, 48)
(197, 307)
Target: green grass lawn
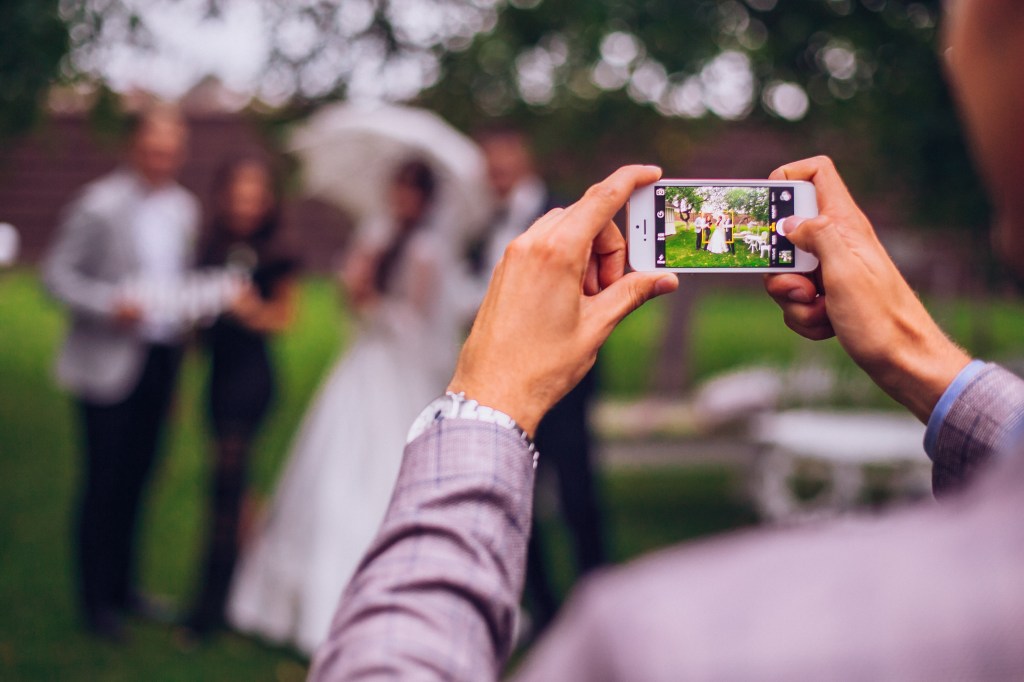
(39, 634)
(680, 252)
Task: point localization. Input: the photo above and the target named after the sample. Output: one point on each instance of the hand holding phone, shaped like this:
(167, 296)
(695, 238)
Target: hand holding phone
(860, 297)
(718, 226)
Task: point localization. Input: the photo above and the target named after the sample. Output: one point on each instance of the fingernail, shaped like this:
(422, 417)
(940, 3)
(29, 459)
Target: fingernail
(653, 167)
(665, 285)
(787, 225)
(800, 296)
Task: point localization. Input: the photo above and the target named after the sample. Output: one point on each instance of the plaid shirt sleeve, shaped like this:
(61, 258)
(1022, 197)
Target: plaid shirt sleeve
(437, 594)
(981, 420)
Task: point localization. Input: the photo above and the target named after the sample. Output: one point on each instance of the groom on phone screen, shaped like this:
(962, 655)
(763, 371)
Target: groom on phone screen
(564, 435)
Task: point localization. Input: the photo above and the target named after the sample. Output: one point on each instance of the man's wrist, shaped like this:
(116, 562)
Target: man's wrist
(460, 407)
(509, 402)
(921, 374)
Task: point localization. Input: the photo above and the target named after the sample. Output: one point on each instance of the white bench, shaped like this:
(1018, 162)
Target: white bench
(842, 443)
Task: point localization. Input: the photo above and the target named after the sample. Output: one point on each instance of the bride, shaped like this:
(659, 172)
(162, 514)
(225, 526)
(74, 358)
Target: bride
(717, 243)
(344, 462)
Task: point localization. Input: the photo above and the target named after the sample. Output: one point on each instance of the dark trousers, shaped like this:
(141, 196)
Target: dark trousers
(222, 541)
(120, 447)
(564, 442)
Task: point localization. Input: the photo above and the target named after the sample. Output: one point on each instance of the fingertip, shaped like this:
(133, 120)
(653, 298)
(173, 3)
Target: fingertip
(800, 295)
(778, 284)
(787, 226)
(666, 284)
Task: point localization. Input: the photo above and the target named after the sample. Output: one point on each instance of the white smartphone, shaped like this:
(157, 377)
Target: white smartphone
(718, 225)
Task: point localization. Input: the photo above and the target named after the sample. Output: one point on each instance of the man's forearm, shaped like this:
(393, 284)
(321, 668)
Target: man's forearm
(438, 591)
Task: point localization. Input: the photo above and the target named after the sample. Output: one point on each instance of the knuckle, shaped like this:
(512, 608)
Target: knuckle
(825, 161)
(602, 191)
(821, 224)
(518, 247)
(637, 297)
(551, 250)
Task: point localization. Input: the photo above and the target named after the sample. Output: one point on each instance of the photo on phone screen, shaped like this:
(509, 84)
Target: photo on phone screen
(722, 226)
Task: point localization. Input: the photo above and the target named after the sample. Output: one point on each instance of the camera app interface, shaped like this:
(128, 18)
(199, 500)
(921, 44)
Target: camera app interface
(722, 227)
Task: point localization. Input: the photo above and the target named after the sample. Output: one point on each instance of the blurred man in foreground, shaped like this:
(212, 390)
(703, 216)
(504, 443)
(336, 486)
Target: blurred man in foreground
(118, 362)
(929, 593)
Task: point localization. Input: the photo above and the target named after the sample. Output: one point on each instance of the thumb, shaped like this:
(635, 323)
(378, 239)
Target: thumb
(629, 293)
(816, 236)
(790, 229)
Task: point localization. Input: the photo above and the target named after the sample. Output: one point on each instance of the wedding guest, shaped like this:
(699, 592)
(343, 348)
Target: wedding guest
(244, 234)
(565, 434)
(925, 593)
(119, 362)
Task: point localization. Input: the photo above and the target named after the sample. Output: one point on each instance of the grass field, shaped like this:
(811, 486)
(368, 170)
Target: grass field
(680, 253)
(39, 635)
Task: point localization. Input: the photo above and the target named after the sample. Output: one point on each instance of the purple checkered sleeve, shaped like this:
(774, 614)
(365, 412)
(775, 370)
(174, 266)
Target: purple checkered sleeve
(983, 420)
(437, 595)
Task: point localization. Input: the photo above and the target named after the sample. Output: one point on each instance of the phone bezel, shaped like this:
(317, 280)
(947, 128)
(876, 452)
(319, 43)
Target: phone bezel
(641, 223)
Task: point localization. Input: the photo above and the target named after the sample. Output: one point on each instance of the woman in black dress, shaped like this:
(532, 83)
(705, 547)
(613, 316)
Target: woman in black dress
(244, 235)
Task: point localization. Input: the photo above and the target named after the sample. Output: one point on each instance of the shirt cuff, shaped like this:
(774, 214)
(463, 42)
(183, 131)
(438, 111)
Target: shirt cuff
(950, 396)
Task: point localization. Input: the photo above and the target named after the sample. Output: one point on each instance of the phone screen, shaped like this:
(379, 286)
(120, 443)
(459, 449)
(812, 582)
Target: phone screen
(722, 226)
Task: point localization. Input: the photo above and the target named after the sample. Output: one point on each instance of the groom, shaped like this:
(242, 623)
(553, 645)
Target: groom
(565, 433)
(136, 222)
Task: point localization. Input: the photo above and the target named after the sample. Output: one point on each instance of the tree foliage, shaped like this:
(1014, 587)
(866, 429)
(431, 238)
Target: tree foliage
(749, 201)
(646, 71)
(33, 41)
(684, 198)
(594, 82)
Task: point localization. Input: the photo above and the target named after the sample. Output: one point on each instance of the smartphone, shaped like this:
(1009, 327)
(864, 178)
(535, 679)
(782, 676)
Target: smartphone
(718, 225)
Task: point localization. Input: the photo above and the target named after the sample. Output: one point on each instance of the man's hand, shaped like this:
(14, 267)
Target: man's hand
(556, 295)
(247, 303)
(127, 315)
(859, 296)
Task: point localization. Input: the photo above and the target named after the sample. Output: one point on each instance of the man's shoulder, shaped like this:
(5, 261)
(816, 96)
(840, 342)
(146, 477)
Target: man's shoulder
(104, 195)
(189, 201)
(184, 194)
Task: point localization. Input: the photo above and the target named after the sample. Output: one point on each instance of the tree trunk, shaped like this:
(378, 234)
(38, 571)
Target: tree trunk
(673, 372)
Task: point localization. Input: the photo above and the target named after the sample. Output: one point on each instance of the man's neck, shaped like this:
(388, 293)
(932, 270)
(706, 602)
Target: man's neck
(148, 183)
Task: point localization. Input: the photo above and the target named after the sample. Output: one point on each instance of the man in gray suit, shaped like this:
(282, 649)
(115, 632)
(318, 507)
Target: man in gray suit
(120, 361)
(929, 593)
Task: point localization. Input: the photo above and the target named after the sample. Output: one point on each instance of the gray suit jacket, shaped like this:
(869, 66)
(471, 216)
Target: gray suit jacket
(93, 253)
(933, 592)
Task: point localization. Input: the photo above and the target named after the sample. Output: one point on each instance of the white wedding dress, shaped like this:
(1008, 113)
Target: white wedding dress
(344, 462)
(717, 242)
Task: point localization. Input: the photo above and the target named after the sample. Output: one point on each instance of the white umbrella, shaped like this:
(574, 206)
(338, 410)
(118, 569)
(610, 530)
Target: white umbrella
(349, 154)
